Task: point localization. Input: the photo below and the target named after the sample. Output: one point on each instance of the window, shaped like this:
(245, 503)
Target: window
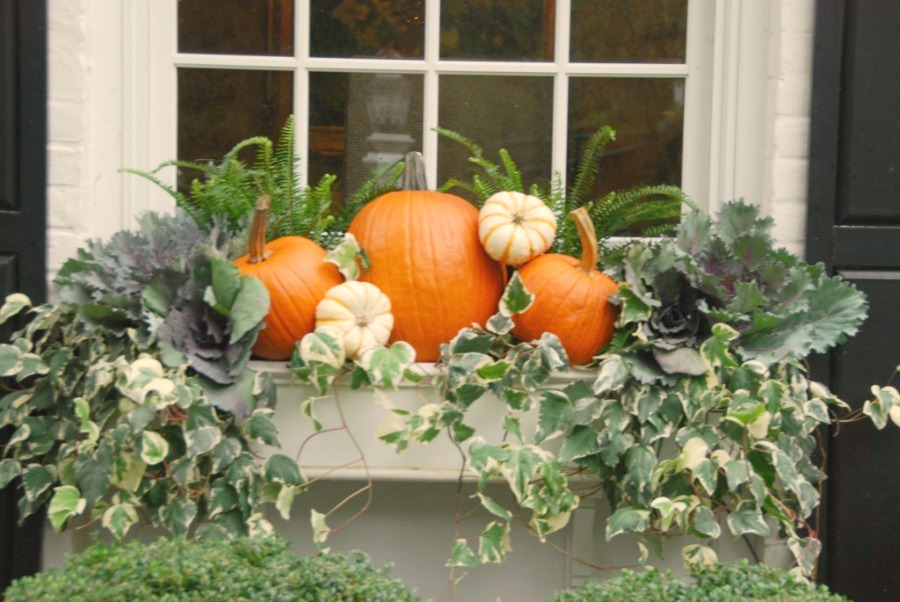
(370, 79)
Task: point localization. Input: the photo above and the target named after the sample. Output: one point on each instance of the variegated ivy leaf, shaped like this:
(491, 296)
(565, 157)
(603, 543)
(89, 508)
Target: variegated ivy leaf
(154, 448)
(716, 349)
(516, 298)
(129, 472)
(670, 511)
(493, 544)
(285, 501)
(698, 555)
(318, 360)
(704, 523)
(9, 470)
(612, 374)
(462, 554)
(884, 399)
(119, 518)
(627, 520)
(707, 474)
(554, 415)
(65, 503)
(349, 257)
(747, 518)
(386, 366)
(201, 440)
(10, 360)
(178, 515)
(806, 551)
(13, 304)
(282, 469)
(693, 453)
(520, 468)
(320, 528)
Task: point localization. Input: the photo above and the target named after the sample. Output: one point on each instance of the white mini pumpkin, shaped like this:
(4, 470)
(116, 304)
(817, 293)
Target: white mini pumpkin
(515, 227)
(358, 313)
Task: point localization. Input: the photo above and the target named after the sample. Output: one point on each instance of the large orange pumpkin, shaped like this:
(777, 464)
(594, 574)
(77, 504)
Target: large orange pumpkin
(297, 276)
(571, 298)
(425, 255)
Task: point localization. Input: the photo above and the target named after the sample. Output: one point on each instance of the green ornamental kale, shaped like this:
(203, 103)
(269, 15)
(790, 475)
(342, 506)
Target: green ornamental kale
(729, 271)
(172, 284)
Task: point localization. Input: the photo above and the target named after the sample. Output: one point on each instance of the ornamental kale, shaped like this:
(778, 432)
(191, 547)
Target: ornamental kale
(729, 271)
(173, 285)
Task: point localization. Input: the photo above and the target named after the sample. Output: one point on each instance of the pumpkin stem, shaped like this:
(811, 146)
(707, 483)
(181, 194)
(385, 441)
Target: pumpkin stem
(588, 237)
(258, 229)
(414, 172)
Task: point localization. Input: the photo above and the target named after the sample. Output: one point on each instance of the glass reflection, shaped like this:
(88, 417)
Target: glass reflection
(217, 27)
(497, 112)
(647, 115)
(217, 108)
(367, 28)
(629, 31)
(498, 30)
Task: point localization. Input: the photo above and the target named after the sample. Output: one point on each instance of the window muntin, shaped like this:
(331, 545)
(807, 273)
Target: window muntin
(689, 82)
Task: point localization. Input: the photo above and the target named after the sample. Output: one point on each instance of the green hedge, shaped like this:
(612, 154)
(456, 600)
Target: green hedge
(249, 569)
(737, 582)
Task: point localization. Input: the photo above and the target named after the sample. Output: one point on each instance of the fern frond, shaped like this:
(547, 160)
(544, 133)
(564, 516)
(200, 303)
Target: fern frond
(586, 173)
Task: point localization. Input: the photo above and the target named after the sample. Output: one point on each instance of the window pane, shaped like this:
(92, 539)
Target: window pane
(629, 31)
(217, 108)
(359, 122)
(242, 27)
(508, 112)
(497, 30)
(367, 28)
(647, 115)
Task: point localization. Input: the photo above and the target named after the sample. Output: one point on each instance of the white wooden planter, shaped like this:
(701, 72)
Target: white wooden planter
(410, 518)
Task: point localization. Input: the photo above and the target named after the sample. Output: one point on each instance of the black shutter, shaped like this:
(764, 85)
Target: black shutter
(854, 227)
(23, 182)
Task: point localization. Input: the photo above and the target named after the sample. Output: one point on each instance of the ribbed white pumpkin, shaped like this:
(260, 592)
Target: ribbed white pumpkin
(358, 313)
(515, 227)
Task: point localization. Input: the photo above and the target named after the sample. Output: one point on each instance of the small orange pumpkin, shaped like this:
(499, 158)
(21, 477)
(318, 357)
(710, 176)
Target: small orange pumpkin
(425, 255)
(571, 298)
(297, 276)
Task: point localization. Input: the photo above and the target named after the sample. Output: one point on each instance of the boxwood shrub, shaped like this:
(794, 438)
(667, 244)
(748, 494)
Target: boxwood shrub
(248, 569)
(737, 582)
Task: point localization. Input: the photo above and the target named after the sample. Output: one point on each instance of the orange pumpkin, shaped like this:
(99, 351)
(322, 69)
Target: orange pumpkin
(571, 298)
(425, 255)
(297, 276)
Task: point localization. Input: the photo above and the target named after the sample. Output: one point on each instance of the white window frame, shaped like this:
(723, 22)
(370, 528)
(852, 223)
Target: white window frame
(724, 73)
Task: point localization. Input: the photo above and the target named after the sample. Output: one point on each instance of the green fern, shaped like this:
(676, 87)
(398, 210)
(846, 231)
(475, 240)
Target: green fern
(644, 210)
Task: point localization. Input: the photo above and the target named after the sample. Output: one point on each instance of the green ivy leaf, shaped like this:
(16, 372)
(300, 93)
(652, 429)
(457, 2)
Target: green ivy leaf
(580, 442)
(260, 427)
(640, 462)
(36, 480)
(554, 414)
(65, 503)
(806, 550)
(9, 470)
(704, 523)
(9, 360)
(706, 473)
(462, 554)
(178, 515)
(282, 469)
